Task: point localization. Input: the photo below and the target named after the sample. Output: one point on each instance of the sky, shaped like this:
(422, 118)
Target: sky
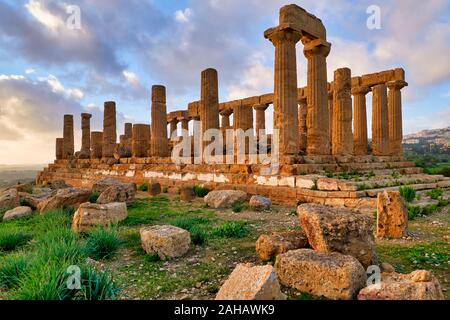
(121, 48)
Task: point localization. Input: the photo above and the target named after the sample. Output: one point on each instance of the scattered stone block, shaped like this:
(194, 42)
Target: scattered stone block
(418, 285)
(220, 199)
(269, 246)
(154, 189)
(9, 199)
(330, 229)
(17, 213)
(331, 275)
(56, 184)
(327, 184)
(249, 282)
(168, 242)
(306, 182)
(187, 194)
(392, 215)
(101, 185)
(65, 198)
(260, 203)
(91, 215)
(118, 193)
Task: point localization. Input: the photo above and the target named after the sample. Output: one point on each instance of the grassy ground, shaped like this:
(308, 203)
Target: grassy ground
(223, 239)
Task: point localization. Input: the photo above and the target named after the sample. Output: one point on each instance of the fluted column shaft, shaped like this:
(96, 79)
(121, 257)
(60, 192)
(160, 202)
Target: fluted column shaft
(285, 114)
(380, 121)
(109, 130)
(85, 135)
(68, 136)
(185, 127)
(318, 140)
(209, 103)
(260, 112)
(360, 120)
(59, 148)
(330, 115)
(159, 143)
(173, 128)
(395, 116)
(342, 143)
(303, 129)
(96, 144)
(141, 140)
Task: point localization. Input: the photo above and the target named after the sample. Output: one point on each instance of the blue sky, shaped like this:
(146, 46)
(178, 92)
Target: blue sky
(125, 46)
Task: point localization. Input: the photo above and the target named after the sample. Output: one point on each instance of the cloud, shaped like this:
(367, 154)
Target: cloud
(183, 16)
(57, 87)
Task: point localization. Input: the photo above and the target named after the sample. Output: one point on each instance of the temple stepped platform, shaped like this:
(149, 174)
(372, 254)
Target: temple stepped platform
(351, 184)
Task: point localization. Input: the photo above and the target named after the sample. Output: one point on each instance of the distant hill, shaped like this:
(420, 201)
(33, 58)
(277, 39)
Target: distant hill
(435, 141)
(12, 174)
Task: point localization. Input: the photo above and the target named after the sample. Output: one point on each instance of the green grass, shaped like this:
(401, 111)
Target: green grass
(407, 193)
(200, 191)
(103, 243)
(165, 190)
(94, 196)
(435, 194)
(11, 240)
(143, 187)
(231, 229)
(237, 207)
(96, 285)
(415, 211)
(11, 269)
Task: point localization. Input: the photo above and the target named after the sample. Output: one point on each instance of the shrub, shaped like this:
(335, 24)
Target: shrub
(237, 207)
(198, 234)
(413, 212)
(154, 257)
(103, 243)
(143, 187)
(96, 285)
(435, 194)
(165, 190)
(407, 193)
(11, 270)
(231, 229)
(11, 240)
(200, 191)
(94, 196)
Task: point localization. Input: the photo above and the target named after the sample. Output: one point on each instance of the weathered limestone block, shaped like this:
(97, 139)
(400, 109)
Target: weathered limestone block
(109, 130)
(418, 285)
(154, 188)
(96, 144)
(306, 182)
(118, 193)
(303, 21)
(101, 185)
(380, 122)
(327, 184)
(220, 199)
(249, 282)
(331, 229)
(65, 198)
(69, 146)
(159, 146)
(17, 213)
(269, 246)
(187, 194)
(91, 215)
(168, 242)
(342, 143)
(392, 215)
(260, 203)
(122, 152)
(332, 275)
(33, 200)
(9, 199)
(141, 140)
(56, 184)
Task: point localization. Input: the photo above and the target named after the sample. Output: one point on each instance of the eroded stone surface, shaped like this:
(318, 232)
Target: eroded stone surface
(260, 203)
(91, 215)
(392, 215)
(249, 282)
(269, 246)
(9, 199)
(224, 198)
(17, 213)
(118, 193)
(65, 198)
(168, 242)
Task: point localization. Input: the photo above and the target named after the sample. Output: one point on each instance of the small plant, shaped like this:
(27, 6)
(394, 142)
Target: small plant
(407, 193)
(231, 229)
(198, 235)
(165, 190)
(96, 285)
(151, 258)
(143, 187)
(395, 175)
(11, 240)
(435, 194)
(103, 243)
(94, 196)
(413, 212)
(200, 191)
(11, 270)
(237, 207)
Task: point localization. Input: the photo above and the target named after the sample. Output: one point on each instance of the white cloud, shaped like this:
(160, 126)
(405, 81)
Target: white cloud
(183, 16)
(11, 77)
(131, 77)
(29, 71)
(44, 16)
(57, 87)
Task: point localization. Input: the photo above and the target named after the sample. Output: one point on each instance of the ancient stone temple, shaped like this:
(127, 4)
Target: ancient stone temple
(319, 131)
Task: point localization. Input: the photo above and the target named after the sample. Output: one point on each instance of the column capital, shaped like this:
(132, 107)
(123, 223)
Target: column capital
(302, 101)
(260, 107)
(397, 84)
(283, 33)
(316, 47)
(226, 112)
(362, 90)
(86, 116)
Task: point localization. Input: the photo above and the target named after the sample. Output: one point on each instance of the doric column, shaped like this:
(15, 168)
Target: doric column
(360, 120)
(342, 144)
(260, 110)
(85, 152)
(380, 124)
(96, 144)
(59, 148)
(173, 128)
(141, 141)
(109, 130)
(197, 135)
(209, 103)
(395, 116)
(185, 127)
(318, 139)
(69, 146)
(243, 120)
(159, 142)
(302, 127)
(285, 113)
(330, 114)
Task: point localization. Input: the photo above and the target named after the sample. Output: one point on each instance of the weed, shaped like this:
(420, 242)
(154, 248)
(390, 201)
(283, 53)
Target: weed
(143, 187)
(231, 229)
(103, 243)
(407, 193)
(237, 207)
(200, 191)
(11, 240)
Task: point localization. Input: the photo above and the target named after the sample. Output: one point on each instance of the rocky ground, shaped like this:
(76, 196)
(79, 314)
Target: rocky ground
(228, 238)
